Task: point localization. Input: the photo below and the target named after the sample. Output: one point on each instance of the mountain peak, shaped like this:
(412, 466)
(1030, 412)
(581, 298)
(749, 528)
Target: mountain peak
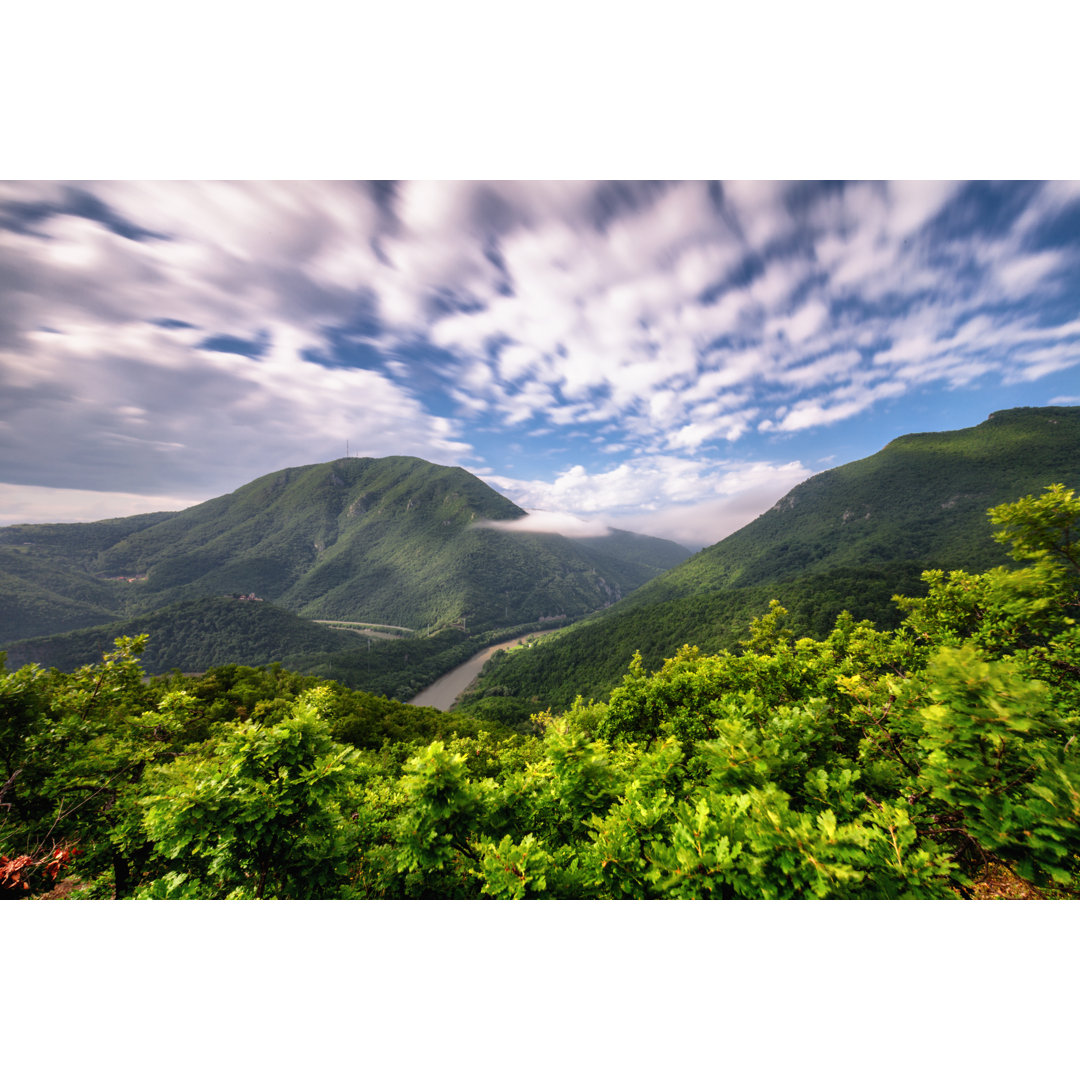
(386, 540)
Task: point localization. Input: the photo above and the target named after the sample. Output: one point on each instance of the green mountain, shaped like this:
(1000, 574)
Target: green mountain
(386, 540)
(923, 498)
(848, 538)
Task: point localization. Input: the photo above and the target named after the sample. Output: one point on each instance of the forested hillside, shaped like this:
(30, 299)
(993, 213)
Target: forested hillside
(48, 575)
(192, 635)
(923, 497)
(931, 761)
(846, 539)
(389, 540)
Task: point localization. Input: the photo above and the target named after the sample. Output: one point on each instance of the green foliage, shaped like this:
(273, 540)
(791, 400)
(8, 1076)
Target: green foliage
(257, 811)
(864, 763)
(48, 576)
(440, 805)
(1003, 761)
(83, 752)
(1042, 527)
(80, 753)
(42, 595)
(516, 871)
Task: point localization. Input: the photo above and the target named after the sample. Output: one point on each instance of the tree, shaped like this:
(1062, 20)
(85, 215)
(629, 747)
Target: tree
(255, 812)
(91, 735)
(1042, 528)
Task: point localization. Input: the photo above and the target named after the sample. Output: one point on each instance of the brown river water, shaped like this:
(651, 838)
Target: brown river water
(445, 690)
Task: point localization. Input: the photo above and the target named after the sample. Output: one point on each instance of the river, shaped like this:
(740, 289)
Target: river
(445, 690)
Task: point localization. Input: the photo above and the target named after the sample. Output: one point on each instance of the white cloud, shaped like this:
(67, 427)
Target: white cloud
(549, 521)
(915, 202)
(758, 210)
(218, 419)
(693, 502)
(822, 411)
(750, 494)
(1024, 273)
(613, 311)
(1036, 363)
(21, 504)
(824, 370)
(801, 324)
(782, 276)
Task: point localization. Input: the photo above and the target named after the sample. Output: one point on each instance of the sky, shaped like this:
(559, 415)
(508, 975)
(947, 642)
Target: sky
(668, 357)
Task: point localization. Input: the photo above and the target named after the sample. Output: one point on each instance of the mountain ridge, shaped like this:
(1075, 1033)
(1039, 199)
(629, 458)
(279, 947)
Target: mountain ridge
(389, 540)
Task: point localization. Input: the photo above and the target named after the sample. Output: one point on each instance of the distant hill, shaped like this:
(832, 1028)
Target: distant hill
(47, 580)
(390, 540)
(847, 538)
(192, 635)
(44, 595)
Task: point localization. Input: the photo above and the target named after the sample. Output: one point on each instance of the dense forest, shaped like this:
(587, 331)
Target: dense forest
(906, 761)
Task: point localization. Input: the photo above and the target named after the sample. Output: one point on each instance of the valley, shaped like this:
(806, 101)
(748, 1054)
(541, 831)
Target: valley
(846, 539)
(371, 546)
(444, 692)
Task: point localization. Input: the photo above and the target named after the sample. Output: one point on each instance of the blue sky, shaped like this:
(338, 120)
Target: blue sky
(666, 357)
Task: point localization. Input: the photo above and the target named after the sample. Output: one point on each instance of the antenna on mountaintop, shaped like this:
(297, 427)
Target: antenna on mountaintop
(346, 447)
